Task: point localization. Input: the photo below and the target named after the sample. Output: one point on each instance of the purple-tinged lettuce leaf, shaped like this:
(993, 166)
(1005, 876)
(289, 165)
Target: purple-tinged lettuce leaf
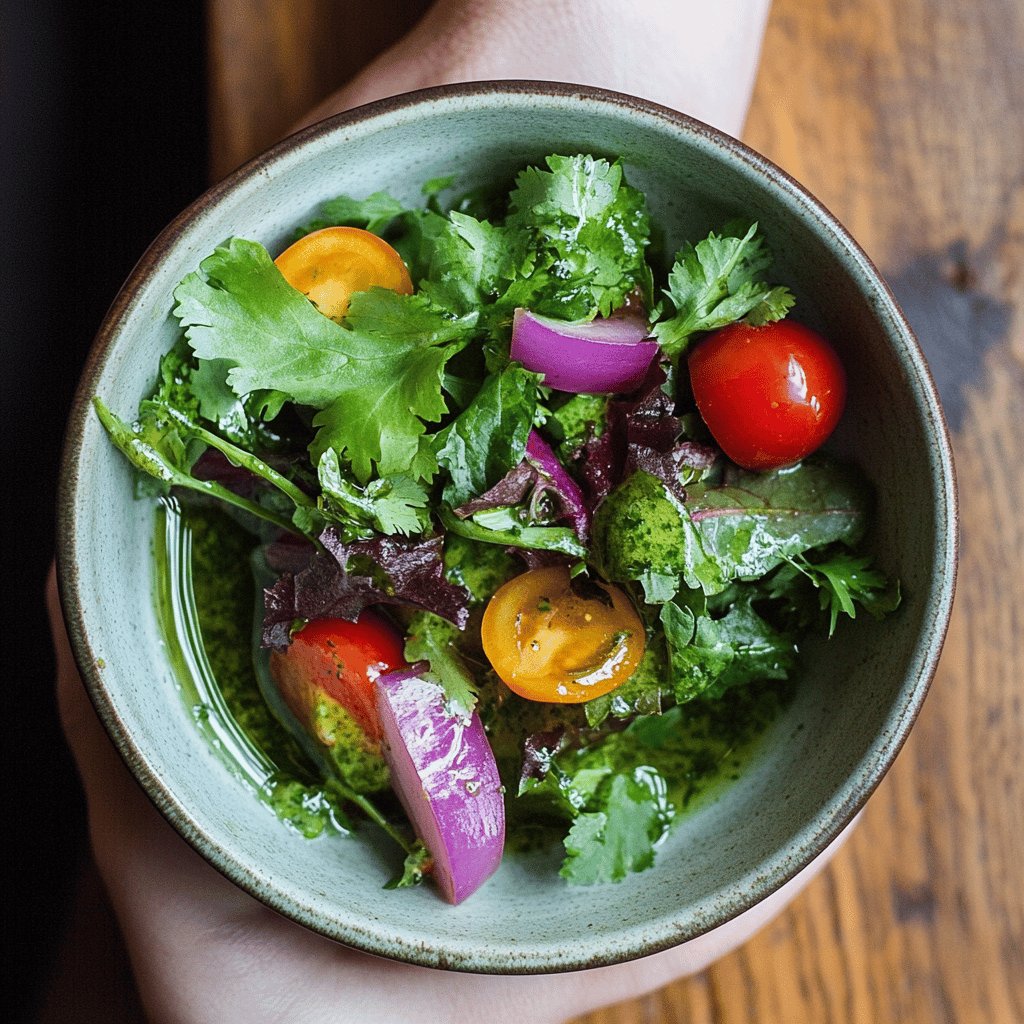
(343, 579)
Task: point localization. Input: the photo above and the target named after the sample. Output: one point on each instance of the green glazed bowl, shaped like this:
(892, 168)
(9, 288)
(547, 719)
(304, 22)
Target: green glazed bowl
(725, 868)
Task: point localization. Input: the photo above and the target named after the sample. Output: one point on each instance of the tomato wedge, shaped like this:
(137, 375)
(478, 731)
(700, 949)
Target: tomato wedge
(329, 266)
(560, 641)
(337, 660)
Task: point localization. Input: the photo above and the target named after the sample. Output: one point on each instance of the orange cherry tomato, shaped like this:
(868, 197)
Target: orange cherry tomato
(550, 642)
(330, 265)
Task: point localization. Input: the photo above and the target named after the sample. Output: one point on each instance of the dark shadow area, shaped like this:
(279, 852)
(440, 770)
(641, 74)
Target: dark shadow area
(102, 141)
(954, 317)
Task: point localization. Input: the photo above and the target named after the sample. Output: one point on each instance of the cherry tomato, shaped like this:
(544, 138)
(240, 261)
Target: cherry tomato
(770, 395)
(549, 641)
(328, 266)
(340, 660)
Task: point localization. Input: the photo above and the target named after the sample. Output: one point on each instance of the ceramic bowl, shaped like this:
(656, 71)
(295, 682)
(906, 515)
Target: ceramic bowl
(858, 695)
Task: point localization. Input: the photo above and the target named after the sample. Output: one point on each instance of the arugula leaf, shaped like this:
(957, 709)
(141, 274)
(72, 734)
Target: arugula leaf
(607, 844)
(489, 436)
(160, 453)
(390, 505)
(844, 580)
(376, 379)
(717, 282)
(433, 639)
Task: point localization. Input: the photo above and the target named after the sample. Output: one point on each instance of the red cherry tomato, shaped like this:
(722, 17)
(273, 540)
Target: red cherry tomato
(770, 395)
(340, 660)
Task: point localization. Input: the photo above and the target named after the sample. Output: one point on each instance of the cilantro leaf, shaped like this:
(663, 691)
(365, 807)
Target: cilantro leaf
(607, 844)
(432, 639)
(845, 580)
(717, 282)
(588, 232)
(390, 504)
(374, 213)
(376, 379)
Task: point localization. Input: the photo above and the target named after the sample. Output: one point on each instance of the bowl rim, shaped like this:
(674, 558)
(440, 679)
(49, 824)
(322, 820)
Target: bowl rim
(856, 789)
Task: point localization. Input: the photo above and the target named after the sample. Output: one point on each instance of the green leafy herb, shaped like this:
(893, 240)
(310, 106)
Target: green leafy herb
(845, 580)
(607, 844)
(589, 230)
(376, 380)
(717, 282)
(433, 639)
(390, 504)
(375, 213)
(489, 436)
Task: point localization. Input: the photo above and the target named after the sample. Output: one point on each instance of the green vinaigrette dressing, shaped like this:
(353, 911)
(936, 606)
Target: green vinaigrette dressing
(205, 601)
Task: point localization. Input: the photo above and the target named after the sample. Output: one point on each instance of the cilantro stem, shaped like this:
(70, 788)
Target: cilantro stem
(237, 456)
(368, 808)
(155, 463)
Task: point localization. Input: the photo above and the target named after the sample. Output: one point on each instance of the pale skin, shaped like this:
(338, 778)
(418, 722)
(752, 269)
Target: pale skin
(201, 949)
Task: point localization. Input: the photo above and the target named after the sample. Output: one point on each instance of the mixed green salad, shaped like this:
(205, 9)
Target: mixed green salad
(537, 533)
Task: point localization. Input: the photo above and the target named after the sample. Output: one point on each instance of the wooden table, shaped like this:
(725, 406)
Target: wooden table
(906, 118)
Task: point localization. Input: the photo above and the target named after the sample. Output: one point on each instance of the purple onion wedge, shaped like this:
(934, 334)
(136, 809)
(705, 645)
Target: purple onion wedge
(444, 772)
(606, 354)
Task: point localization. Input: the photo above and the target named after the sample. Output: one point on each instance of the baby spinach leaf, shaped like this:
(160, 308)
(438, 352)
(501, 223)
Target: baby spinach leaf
(489, 436)
(753, 522)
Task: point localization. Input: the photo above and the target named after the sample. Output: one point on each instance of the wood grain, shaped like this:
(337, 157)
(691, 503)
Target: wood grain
(905, 118)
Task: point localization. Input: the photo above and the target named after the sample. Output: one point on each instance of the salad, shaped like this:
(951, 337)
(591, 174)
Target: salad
(535, 529)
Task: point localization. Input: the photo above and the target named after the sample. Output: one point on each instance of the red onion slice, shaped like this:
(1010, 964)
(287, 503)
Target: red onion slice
(539, 452)
(603, 355)
(444, 772)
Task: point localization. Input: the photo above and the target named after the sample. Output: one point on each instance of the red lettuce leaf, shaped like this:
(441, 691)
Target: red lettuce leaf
(343, 579)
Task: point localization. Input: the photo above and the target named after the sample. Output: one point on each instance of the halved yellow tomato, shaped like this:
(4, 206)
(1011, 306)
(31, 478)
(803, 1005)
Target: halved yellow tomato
(553, 640)
(330, 265)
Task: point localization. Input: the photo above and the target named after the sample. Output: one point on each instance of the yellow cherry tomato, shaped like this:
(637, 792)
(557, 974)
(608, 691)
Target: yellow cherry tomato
(550, 641)
(330, 265)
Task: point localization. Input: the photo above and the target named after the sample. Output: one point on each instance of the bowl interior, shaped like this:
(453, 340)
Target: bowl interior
(857, 696)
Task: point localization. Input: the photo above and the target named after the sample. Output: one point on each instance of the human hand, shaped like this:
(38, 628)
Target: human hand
(694, 56)
(203, 950)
